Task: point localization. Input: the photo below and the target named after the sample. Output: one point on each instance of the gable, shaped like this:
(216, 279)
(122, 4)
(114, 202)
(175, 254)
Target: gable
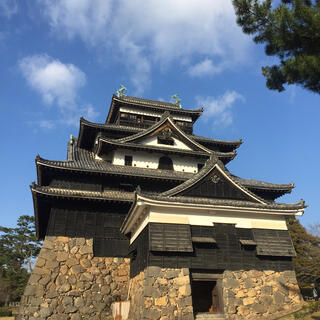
(165, 138)
(216, 185)
(166, 130)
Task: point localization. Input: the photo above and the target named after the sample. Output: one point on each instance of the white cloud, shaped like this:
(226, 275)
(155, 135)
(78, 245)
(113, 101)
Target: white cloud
(205, 67)
(219, 109)
(8, 8)
(84, 18)
(151, 34)
(58, 84)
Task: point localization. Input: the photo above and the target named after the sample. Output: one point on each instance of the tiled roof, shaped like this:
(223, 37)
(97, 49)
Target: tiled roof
(227, 156)
(107, 126)
(228, 202)
(149, 104)
(84, 161)
(235, 143)
(105, 195)
(133, 130)
(250, 183)
(130, 196)
(154, 103)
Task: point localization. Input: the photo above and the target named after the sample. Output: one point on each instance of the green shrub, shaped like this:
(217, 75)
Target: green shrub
(308, 309)
(5, 312)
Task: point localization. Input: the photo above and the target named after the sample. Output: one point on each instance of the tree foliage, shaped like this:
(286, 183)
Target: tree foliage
(18, 246)
(291, 32)
(307, 247)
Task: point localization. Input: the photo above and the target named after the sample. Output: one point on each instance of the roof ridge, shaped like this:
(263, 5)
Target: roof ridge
(155, 103)
(214, 201)
(166, 117)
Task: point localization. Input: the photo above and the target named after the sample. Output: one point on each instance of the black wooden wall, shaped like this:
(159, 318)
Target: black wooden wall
(100, 222)
(227, 253)
(99, 182)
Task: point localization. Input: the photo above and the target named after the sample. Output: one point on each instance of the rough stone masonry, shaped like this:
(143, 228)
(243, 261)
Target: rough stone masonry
(68, 282)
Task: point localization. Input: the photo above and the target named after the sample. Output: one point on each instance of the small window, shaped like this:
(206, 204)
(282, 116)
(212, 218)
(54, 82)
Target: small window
(200, 166)
(128, 160)
(248, 245)
(165, 163)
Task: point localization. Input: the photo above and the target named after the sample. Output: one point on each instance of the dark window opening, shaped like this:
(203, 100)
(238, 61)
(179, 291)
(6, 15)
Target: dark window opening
(128, 160)
(168, 141)
(165, 163)
(200, 166)
(248, 245)
(126, 187)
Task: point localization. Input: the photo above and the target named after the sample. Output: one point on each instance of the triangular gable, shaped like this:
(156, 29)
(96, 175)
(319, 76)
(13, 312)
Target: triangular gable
(163, 127)
(213, 181)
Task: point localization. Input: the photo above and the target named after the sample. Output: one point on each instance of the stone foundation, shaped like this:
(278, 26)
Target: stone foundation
(260, 294)
(69, 283)
(163, 294)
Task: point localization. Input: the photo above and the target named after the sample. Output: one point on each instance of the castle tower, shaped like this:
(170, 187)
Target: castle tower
(145, 210)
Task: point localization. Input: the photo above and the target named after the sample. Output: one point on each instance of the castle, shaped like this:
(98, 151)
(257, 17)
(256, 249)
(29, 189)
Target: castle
(145, 210)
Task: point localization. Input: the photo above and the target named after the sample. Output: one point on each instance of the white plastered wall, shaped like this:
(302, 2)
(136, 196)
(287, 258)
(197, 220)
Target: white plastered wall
(153, 141)
(151, 160)
(209, 217)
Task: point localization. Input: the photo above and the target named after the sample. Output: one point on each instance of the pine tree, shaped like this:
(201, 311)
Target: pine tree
(291, 32)
(307, 261)
(18, 246)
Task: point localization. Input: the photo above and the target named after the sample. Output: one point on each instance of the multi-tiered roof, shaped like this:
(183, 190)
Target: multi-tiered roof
(138, 129)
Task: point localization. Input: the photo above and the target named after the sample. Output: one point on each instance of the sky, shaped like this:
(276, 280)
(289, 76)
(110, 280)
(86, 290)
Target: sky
(60, 60)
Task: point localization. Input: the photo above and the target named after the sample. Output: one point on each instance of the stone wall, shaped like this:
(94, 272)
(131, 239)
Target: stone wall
(69, 283)
(260, 294)
(161, 294)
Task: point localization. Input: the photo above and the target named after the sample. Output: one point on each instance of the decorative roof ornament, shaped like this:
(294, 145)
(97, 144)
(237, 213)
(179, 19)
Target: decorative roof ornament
(215, 179)
(120, 91)
(177, 101)
(71, 139)
(166, 133)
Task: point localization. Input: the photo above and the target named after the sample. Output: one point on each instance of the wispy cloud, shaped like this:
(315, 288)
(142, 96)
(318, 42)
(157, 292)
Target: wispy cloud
(58, 85)
(8, 8)
(205, 67)
(153, 34)
(219, 109)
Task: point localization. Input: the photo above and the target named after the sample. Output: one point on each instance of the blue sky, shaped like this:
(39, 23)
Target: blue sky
(63, 59)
